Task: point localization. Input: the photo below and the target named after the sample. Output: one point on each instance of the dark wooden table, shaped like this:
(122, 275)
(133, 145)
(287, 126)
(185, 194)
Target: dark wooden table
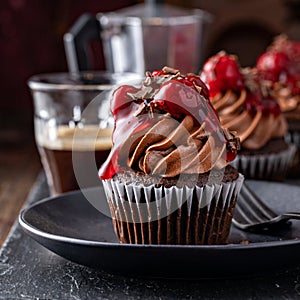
(19, 167)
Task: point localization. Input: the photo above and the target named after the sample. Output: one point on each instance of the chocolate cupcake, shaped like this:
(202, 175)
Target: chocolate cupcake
(167, 179)
(279, 71)
(244, 107)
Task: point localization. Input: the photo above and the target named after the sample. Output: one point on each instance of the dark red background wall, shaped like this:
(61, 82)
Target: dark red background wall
(31, 38)
(31, 42)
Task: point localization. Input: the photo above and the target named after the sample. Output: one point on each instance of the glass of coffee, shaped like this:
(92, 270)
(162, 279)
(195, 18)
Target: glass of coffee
(73, 125)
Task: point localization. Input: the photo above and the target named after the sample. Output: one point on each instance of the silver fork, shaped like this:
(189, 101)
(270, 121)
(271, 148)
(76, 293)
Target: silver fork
(251, 213)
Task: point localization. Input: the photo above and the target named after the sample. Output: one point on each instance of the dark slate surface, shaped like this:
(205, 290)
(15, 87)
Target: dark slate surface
(29, 271)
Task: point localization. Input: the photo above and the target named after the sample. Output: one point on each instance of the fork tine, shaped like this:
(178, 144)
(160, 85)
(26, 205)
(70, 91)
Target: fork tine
(249, 213)
(250, 209)
(241, 215)
(258, 204)
(252, 214)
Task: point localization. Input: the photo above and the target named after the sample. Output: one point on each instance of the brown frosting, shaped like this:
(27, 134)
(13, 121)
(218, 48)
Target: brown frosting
(289, 102)
(254, 130)
(172, 148)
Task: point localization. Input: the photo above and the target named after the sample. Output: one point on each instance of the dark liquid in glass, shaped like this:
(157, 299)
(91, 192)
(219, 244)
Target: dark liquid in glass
(58, 161)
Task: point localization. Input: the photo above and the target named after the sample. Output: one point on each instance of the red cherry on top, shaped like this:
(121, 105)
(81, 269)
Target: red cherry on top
(189, 80)
(289, 47)
(221, 72)
(179, 99)
(170, 98)
(121, 99)
(272, 64)
(197, 81)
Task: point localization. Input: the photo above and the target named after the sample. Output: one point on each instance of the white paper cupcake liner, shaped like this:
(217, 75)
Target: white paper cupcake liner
(175, 215)
(272, 166)
(293, 137)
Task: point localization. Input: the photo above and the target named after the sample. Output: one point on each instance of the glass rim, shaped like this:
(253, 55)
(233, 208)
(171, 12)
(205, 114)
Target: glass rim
(181, 17)
(50, 81)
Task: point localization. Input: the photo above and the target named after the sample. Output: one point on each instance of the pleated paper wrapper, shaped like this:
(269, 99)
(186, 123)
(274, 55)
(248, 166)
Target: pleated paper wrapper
(175, 215)
(272, 166)
(293, 137)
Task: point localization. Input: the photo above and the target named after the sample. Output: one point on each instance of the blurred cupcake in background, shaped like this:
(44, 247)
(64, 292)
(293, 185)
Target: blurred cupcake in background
(279, 73)
(244, 107)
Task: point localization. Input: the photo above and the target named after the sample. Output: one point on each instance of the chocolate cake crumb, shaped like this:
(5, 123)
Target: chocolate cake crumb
(228, 174)
(244, 242)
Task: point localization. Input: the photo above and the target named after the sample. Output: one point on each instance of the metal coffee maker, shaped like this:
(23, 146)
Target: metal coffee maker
(140, 38)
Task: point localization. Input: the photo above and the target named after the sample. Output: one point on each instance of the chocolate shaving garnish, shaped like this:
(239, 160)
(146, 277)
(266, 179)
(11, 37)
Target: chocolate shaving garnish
(233, 141)
(142, 109)
(132, 96)
(264, 90)
(249, 76)
(147, 80)
(162, 79)
(151, 84)
(170, 70)
(251, 81)
(145, 93)
(228, 134)
(199, 88)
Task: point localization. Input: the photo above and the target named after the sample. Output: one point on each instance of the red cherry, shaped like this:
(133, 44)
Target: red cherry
(170, 97)
(221, 72)
(179, 100)
(120, 98)
(215, 87)
(172, 108)
(268, 75)
(158, 73)
(185, 81)
(188, 80)
(197, 81)
(272, 64)
(289, 47)
(229, 71)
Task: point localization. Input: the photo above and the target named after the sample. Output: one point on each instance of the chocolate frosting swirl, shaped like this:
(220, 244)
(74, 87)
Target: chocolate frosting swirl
(254, 130)
(287, 100)
(170, 148)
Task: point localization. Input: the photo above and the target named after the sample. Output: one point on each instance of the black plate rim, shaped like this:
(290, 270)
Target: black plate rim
(33, 231)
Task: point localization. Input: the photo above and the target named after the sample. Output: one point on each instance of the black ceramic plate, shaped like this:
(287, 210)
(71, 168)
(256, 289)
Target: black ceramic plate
(71, 227)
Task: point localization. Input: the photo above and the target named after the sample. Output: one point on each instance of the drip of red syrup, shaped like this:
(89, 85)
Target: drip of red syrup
(231, 154)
